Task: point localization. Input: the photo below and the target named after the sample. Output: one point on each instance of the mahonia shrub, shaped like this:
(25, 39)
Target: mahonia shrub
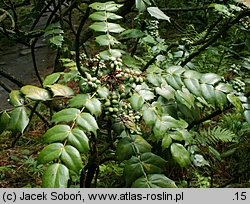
(117, 107)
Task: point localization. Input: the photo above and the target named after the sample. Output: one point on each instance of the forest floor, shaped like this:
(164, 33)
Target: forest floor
(19, 168)
(18, 164)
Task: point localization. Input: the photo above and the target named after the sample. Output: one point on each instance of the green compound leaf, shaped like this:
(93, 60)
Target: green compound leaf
(175, 70)
(165, 123)
(51, 79)
(16, 98)
(222, 9)
(94, 106)
(66, 115)
(18, 120)
(61, 90)
(187, 136)
(155, 79)
(180, 154)
(152, 163)
(57, 133)
(185, 97)
(221, 99)
(79, 140)
(50, 153)
(174, 81)
(72, 158)
(165, 91)
(87, 122)
(199, 160)
(132, 33)
(154, 181)
(144, 91)
(56, 176)
(247, 116)
(189, 114)
(106, 27)
(35, 93)
(193, 86)
(103, 92)
(133, 170)
(128, 146)
(166, 141)
(235, 101)
(176, 135)
(52, 29)
(179, 135)
(79, 100)
(110, 54)
(56, 40)
(149, 116)
(140, 5)
(104, 16)
(148, 163)
(108, 6)
(160, 128)
(157, 13)
(136, 101)
(191, 74)
(208, 93)
(4, 121)
(106, 40)
(118, 127)
(210, 78)
(226, 88)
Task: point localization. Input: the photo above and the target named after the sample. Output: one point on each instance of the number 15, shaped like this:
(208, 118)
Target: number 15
(241, 196)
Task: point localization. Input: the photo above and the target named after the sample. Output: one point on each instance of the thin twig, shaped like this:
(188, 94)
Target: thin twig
(153, 59)
(14, 80)
(34, 61)
(24, 3)
(209, 30)
(143, 25)
(5, 86)
(71, 24)
(209, 117)
(77, 41)
(135, 47)
(70, 8)
(214, 38)
(53, 13)
(14, 16)
(221, 59)
(40, 15)
(185, 9)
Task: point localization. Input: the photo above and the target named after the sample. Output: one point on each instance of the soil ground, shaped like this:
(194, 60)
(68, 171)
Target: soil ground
(18, 164)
